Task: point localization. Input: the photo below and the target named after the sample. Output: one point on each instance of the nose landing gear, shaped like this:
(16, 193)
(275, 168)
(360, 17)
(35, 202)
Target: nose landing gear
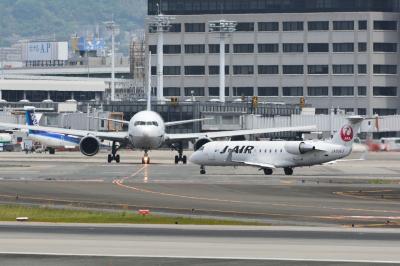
(114, 156)
(146, 158)
(202, 170)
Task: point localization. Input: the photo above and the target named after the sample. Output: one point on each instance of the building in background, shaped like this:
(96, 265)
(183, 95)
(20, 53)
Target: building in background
(334, 53)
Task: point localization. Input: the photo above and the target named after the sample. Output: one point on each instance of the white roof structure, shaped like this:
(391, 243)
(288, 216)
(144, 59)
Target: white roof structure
(52, 85)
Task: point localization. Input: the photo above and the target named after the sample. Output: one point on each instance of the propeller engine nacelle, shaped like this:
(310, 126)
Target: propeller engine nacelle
(200, 142)
(298, 148)
(89, 145)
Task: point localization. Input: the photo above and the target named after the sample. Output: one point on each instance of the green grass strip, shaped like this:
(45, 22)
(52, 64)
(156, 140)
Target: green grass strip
(46, 214)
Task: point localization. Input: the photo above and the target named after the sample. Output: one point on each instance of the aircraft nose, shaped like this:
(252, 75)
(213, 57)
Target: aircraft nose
(195, 157)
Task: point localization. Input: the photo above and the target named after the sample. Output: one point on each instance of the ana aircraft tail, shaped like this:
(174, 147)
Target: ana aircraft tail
(30, 116)
(347, 132)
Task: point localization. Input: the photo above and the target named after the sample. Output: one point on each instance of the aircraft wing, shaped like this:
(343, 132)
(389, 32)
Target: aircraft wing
(113, 136)
(174, 123)
(112, 120)
(255, 164)
(221, 134)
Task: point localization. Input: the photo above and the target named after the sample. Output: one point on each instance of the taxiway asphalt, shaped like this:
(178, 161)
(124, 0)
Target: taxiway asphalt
(360, 193)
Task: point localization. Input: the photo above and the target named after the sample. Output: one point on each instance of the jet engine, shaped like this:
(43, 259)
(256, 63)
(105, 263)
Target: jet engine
(298, 148)
(89, 145)
(200, 142)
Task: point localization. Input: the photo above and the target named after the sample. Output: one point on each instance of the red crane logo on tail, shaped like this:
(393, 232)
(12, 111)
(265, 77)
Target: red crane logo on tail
(346, 133)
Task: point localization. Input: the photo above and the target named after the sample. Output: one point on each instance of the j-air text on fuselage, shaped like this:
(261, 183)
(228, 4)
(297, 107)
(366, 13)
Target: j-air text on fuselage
(269, 155)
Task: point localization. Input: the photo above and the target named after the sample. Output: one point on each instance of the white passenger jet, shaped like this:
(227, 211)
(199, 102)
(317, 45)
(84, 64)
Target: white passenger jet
(269, 155)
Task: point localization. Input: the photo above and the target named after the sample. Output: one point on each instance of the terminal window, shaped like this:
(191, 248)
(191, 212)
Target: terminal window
(194, 70)
(385, 47)
(318, 25)
(268, 48)
(195, 27)
(318, 47)
(343, 69)
(195, 48)
(362, 69)
(343, 91)
(362, 90)
(318, 69)
(362, 25)
(293, 69)
(362, 46)
(172, 91)
(343, 25)
(245, 26)
(243, 48)
(243, 91)
(268, 69)
(317, 91)
(343, 47)
(385, 69)
(214, 91)
(268, 91)
(293, 26)
(243, 70)
(292, 91)
(293, 47)
(385, 25)
(268, 26)
(385, 91)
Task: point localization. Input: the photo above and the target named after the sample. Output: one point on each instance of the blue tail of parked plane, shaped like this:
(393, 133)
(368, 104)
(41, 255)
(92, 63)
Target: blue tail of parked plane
(30, 117)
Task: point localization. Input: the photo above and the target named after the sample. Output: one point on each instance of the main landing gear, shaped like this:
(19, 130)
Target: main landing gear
(267, 171)
(114, 156)
(145, 158)
(288, 170)
(202, 170)
(180, 157)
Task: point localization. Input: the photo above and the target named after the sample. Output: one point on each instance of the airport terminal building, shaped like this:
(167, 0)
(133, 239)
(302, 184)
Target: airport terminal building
(335, 53)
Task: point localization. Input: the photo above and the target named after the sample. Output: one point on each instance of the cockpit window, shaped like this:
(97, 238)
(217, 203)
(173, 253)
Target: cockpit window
(146, 123)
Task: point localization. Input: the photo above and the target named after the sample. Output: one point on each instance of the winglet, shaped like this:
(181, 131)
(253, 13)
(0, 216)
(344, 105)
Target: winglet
(148, 108)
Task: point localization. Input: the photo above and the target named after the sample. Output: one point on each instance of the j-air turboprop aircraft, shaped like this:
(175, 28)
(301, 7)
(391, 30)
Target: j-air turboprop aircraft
(146, 131)
(269, 155)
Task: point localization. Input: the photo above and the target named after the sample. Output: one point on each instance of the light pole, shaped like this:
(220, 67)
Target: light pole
(224, 28)
(160, 24)
(112, 27)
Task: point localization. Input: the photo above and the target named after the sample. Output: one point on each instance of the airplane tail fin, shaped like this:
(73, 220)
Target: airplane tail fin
(30, 118)
(348, 131)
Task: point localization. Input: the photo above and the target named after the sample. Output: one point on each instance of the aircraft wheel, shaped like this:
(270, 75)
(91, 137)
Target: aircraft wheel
(109, 158)
(184, 159)
(52, 150)
(268, 171)
(288, 171)
(176, 159)
(117, 158)
(202, 172)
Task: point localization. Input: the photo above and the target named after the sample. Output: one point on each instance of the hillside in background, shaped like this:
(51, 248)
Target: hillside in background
(46, 19)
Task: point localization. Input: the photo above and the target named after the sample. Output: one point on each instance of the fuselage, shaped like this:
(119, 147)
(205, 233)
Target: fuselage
(234, 153)
(146, 130)
(54, 140)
